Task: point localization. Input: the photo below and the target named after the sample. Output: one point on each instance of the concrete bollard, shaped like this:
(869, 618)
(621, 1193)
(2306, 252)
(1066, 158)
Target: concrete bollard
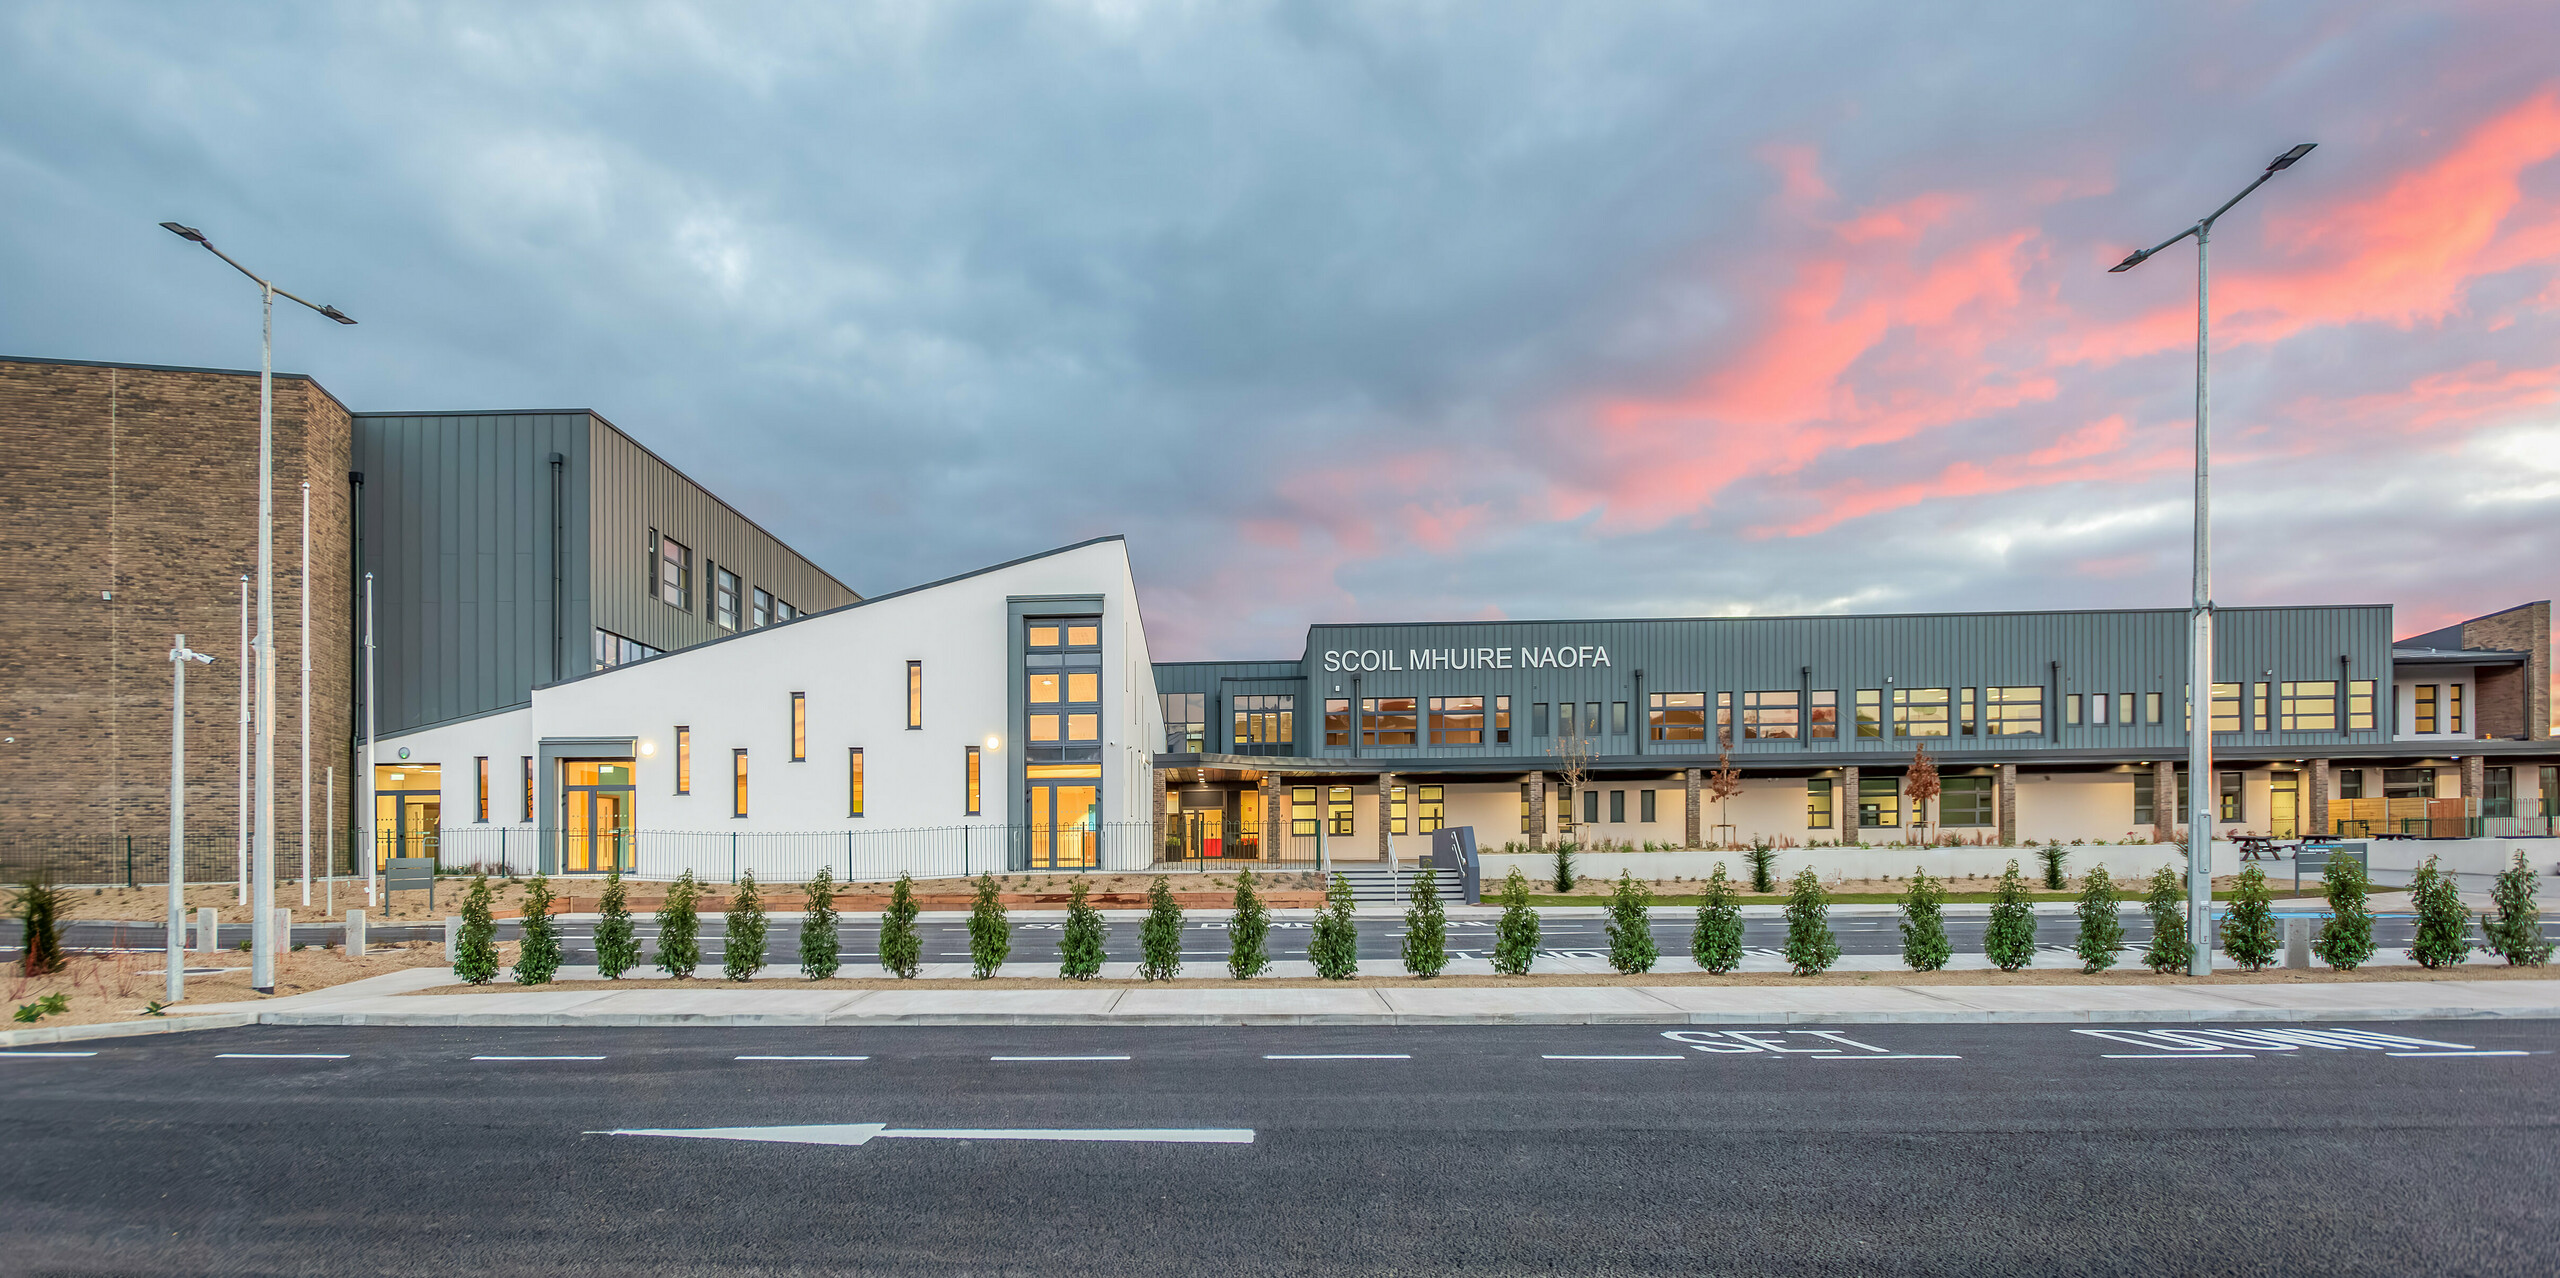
(2297, 943)
(355, 934)
(452, 937)
(208, 938)
(283, 929)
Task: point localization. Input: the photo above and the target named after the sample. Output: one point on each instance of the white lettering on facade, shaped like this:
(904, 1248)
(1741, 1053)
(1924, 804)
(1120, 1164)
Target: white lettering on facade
(1565, 658)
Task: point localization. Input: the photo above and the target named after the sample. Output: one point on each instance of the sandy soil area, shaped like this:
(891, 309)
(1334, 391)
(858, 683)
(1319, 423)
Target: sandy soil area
(117, 987)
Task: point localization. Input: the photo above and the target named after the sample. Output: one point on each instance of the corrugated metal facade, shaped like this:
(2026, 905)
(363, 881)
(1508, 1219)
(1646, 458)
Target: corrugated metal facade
(2062, 653)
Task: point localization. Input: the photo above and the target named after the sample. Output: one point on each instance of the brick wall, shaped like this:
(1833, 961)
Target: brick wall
(2515, 704)
(128, 514)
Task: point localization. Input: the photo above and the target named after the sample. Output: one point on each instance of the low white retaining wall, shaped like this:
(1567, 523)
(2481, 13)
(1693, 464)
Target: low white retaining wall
(2391, 861)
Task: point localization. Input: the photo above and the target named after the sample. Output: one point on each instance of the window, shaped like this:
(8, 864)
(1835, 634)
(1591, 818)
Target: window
(2229, 790)
(969, 781)
(1920, 712)
(1265, 723)
(1678, 716)
(853, 781)
(1337, 721)
(1964, 709)
(1591, 806)
(724, 598)
(1617, 718)
(2309, 706)
(737, 783)
(2408, 783)
(528, 788)
(684, 759)
(1560, 802)
(2071, 710)
(2498, 792)
(2360, 705)
(2350, 783)
(1303, 799)
(1591, 718)
(1617, 807)
(2012, 712)
(675, 572)
(1525, 820)
(783, 612)
(2124, 709)
(760, 608)
(799, 727)
(1822, 718)
(915, 696)
(2453, 707)
(1185, 713)
(2151, 707)
(1870, 712)
(1388, 721)
(2425, 697)
(2258, 706)
(1395, 811)
(1817, 804)
(1967, 801)
(1879, 801)
(2097, 709)
(2144, 782)
(1538, 719)
(1457, 721)
(1724, 718)
(1433, 801)
(1337, 813)
(1769, 716)
(2226, 708)
(1644, 808)
(614, 650)
(480, 770)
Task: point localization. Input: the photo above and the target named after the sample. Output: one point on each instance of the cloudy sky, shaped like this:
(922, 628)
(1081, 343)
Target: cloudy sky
(1389, 311)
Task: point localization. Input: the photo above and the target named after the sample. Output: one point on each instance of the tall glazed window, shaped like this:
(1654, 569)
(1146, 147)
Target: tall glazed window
(1062, 747)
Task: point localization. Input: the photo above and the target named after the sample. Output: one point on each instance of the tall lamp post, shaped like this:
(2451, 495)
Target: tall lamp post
(179, 656)
(2201, 790)
(262, 958)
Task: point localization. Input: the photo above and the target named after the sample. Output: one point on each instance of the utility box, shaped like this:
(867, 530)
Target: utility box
(409, 873)
(1453, 852)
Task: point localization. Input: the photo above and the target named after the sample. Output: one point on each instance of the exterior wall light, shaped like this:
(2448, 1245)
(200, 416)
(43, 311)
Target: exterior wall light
(994, 742)
(648, 748)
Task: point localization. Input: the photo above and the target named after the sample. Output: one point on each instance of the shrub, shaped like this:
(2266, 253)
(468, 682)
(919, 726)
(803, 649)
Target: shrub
(538, 942)
(1080, 949)
(1248, 933)
(2249, 927)
(2101, 935)
(742, 932)
(617, 944)
(1335, 947)
(1160, 937)
(1426, 929)
(2009, 940)
(1565, 878)
(819, 947)
(2166, 902)
(2443, 923)
(2053, 857)
(678, 949)
(475, 953)
(2515, 931)
(40, 918)
(1631, 947)
(990, 935)
(1925, 947)
(1515, 938)
(1811, 948)
(2346, 939)
(1716, 940)
(901, 949)
(1763, 859)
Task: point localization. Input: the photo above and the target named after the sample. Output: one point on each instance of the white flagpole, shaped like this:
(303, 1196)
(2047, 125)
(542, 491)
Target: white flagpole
(304, 789)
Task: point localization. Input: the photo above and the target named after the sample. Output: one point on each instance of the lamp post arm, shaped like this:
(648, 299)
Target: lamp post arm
(313, 307)
(2208, 221)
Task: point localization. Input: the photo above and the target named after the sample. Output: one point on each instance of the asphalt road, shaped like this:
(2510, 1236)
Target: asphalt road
(1503, 1150)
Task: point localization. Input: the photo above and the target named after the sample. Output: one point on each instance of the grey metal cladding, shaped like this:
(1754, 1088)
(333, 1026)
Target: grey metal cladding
(458, 535)
(2131, 651)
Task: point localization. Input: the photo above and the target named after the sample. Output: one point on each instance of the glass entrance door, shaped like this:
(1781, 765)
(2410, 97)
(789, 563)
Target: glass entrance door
(597, 807)
(408, 806)
(2284, 798)
(1065, 825)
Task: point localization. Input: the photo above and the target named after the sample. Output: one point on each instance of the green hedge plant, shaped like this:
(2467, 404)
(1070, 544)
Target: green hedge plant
(679, 951)
(1565, 876)
(1631, 946)
(2009, 940)
(2515, 931)
(1426, 929)
(2165, 902)
(2249, 926)
(1515, 938)
(2101, 934)
(1763, 859)
(475, 954)
(1249, 932)
(2346, 939)
(820, 950)
(1811, 948)
(2053, 856)
(901, 948)
(2444, 925)
(990, 933)
(1925, 947)
(538, 942)
(742, 932)
(617, 942)
(40, 920)
(1335, 947)
(1080, 948)
(1160, 936)
(1715, 941)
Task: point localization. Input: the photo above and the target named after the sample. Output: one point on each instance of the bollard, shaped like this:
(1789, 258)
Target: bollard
(2297, 943)
(208, 924)
(283, 930)
(355, 934)
(452, 937)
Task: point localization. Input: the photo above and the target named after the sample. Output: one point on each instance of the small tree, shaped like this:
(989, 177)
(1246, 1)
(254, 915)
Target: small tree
(1426, 929)
(1631, 945)
(819, 947)
(1726, 781)
(2515, 931)
(538, 942)
(2009, 940)
(1248, 933)
(1811, 948)
(2101, 935)
(40, 918)
(1925, 947)
(1763, 858)
(2166, 903)
(475, 954)
(901, 948)
(1716, 941)
(1160, 937)
(1080, 949)
(1921, 784)
(2346, 940)
(2444, 926)
(1565, 875)
(2053, 856)
(2249, 928)
(1515, 938)
(1335, 947)
(678, 949)
(742, 933)
(617, 942)
(990, 935)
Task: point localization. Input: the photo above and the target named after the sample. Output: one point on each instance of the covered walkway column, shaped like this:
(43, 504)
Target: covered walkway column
(2164, 802)
(1845, 807)
(2008, 805)
(1386, 815)
(2319, 808)
(1537, 783)
(1691, 828)
(2475, 783)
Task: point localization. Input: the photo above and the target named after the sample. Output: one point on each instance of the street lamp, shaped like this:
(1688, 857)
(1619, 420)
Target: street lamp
(262, 959)
(2200, 787)
(179, 656)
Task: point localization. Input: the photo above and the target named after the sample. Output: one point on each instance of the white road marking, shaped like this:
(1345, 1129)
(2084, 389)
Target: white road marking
(280, 1056)
(864, 1133)
(2180, 1056)
(1342, 1056)
(48, 1053)
(1057, 1058)
(800, 1058)
(1565, 1057)
(2457, 1053)
(1891, 1056)
(537, 1058)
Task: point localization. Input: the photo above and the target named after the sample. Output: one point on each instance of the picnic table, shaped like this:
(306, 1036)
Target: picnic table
(2255, 846)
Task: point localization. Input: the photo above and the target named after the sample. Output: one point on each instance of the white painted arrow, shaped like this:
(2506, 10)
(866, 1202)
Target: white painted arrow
(864, 1133)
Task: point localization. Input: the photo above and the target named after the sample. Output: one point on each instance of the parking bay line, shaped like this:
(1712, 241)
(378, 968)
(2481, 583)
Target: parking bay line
(280, 1056)
(1057, 1058)
(800, 1058)
(2179, 1056)
(537, 1058)
(1555, 1057)
(1891, 1056)
(48, 1053)
(1340, 1056)
(2512, 1053)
